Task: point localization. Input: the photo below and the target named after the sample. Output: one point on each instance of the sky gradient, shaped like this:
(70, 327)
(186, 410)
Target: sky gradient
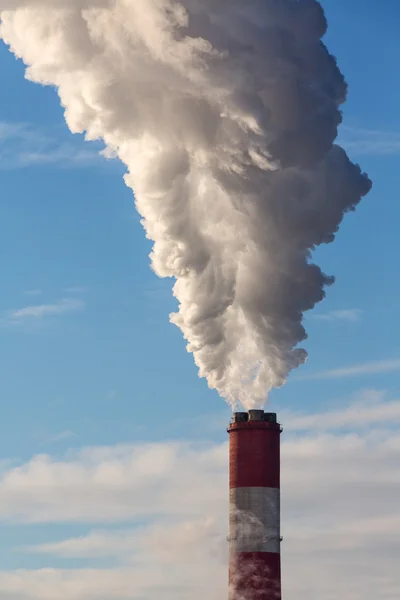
(107, 436)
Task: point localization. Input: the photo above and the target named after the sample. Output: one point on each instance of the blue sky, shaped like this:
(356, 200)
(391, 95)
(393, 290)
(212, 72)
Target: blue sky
(88, 357)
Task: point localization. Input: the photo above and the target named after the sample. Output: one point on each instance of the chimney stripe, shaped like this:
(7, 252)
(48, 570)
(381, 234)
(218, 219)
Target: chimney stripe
(254, 519)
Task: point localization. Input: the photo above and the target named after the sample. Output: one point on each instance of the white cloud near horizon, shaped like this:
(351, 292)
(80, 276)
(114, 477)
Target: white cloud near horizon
(40, 311)
(368, 368)
(113, 484)
(157, 514)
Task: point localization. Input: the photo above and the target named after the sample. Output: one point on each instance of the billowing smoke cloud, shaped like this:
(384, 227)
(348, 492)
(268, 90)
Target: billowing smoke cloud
(225, 113)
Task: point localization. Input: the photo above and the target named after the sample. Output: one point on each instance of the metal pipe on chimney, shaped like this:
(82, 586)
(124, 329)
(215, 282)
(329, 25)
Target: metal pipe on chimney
(254, 519)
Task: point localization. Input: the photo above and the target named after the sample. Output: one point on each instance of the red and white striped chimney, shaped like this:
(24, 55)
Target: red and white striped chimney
(254, 519)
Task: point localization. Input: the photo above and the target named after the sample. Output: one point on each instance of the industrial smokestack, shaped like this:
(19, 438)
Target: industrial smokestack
(254, 516)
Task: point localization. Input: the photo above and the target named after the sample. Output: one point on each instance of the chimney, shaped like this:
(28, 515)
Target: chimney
(254, 515)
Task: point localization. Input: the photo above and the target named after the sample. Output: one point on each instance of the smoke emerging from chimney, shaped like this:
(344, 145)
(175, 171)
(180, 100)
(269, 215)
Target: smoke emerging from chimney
(225, 113)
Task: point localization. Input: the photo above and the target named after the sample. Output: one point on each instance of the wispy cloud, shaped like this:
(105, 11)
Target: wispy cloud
(350, 314)
(371, 408)
(369, 368)
(122, 479)
(24, 146)
(78, 289)
(56, 438)
(369, 141)
(40, 311)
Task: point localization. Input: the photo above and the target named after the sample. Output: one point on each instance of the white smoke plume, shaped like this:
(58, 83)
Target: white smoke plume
(225, 113)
